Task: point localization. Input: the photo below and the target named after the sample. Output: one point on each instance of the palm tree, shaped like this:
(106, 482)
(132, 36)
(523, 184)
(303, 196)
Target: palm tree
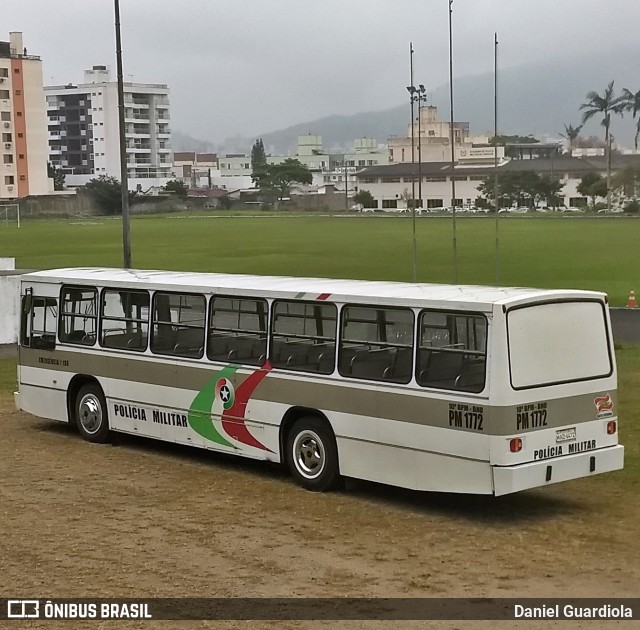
(606, 104)
(631, 102)
(571, 133)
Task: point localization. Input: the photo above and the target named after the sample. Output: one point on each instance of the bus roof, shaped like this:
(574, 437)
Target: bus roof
(378, 292)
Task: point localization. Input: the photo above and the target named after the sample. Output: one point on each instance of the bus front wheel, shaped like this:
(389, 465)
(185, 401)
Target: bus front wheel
(91, 414)
(312, 454)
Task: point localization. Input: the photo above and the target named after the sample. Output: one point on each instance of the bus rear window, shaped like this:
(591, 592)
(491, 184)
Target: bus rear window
(558, 342)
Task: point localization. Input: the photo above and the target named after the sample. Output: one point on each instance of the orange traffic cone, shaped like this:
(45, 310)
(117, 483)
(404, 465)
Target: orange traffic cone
(631, 303)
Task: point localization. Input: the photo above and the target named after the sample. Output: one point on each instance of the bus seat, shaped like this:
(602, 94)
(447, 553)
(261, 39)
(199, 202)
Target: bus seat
(75, 336)
(443, 368)
(373, 364)
(471, 377)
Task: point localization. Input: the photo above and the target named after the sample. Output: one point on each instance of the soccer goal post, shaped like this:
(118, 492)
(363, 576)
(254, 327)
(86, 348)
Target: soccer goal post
(10, 213)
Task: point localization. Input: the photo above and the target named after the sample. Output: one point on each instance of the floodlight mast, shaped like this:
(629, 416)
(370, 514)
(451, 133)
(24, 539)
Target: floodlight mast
(124, 180)
(411, 89)
(453, 149)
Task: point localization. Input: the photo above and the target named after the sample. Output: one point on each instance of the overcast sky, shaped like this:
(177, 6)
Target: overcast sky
(253, 66)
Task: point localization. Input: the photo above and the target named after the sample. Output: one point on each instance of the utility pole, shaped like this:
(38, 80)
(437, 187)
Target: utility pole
(124, 182)
(422, 96)
(346, 184)
(411, 90)
(495, 152)
(453, 149)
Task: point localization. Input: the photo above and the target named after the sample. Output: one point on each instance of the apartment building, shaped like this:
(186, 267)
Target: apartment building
(84, 136)
(22, 122)
(193, 169)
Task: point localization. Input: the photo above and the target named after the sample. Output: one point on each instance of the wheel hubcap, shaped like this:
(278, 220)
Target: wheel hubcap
(90, 413)
(309, 454)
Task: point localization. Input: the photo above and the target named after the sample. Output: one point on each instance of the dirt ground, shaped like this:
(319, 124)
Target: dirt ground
(142, 518)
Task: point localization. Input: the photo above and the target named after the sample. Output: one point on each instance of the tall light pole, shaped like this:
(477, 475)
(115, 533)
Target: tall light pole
(411, 90)
(495, 152)
(422, 96)
(124, 182)
(453, 149)
(418, 95)
(346, 184)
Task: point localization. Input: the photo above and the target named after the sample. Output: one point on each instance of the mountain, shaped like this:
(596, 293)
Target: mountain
(184, 142)
(535, 98)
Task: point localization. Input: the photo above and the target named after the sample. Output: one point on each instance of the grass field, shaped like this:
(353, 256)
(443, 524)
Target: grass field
(573, 252)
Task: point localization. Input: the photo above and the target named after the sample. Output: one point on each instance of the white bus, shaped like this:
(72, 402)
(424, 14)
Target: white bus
(431, 387)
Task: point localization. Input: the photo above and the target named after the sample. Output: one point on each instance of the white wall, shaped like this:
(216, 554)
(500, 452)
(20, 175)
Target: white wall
(9, 308)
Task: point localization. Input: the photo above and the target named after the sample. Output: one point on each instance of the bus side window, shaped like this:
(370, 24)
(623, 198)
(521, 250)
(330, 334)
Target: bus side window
(39, 322)
(376, 343)
(452, 351)
(178, 324)
(124, 319)
(304, 336)
(78, 315)
(238, 330)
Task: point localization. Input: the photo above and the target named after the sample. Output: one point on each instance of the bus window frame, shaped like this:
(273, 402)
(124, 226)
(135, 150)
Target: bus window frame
(152, 321)
(61, 314)
(267, 331)
(271, 333)
(121, 289)
(454, 313)
(378, 307)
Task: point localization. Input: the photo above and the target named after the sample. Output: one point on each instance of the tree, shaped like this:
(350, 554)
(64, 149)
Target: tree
(275, 180)
(502, 139)
(592, 142)
(56, 175)
(107, 193)
(522, 188)
(631, 102)
(549, 190)
(593, 185)
(364, 198)
(176, 187)
(258, 158)
(606, 105)
(627, 180)
(571, 133)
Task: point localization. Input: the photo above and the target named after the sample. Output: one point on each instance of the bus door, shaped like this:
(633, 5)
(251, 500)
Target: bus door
(39, 316)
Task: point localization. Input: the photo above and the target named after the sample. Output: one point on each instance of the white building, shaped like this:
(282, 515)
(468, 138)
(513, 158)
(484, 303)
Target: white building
(392, 186)
(431, 142)
(195, 170)
(23, 123)
(84, 137)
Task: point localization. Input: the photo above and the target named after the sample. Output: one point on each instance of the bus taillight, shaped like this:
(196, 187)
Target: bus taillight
(515, 445)
(611, 427)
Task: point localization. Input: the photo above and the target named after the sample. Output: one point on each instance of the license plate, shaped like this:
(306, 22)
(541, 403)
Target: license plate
(565, 435)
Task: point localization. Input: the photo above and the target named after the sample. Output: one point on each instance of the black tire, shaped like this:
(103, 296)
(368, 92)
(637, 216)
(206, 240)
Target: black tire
(90, 413)
(312, 454)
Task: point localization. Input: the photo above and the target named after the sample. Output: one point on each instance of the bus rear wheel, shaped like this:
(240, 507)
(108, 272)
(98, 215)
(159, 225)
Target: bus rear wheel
(312, 454)
(91, 414)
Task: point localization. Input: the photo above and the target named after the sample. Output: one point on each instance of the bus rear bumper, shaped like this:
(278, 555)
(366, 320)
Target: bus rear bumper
(508, 479)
